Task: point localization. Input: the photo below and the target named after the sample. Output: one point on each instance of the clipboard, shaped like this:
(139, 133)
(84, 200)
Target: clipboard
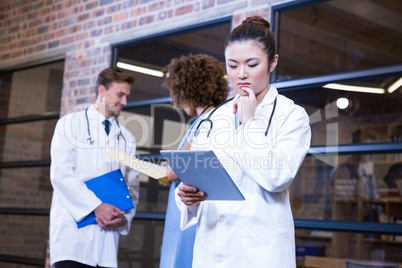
(111, 188)
(203, 170)
(150, 169)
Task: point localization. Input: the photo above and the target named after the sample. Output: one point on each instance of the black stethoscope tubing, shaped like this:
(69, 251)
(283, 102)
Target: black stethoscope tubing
(91, 141)
(208, 119)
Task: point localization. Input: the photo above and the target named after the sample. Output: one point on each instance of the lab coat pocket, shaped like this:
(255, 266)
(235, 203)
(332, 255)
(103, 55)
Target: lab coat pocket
(265, 247)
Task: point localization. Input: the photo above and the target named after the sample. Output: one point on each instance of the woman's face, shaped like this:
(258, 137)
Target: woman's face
(247, 67)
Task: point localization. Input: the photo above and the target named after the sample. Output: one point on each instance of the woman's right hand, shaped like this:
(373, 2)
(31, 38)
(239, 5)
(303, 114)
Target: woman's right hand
(245, 106)
(190, 195)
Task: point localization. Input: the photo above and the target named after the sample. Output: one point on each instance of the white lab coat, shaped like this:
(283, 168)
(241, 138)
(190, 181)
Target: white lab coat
(257, 232)
(74, 161)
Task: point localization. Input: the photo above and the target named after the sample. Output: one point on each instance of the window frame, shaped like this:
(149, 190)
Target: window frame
(51, 115)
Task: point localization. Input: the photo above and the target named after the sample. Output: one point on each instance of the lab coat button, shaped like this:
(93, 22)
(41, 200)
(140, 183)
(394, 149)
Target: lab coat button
(221, 219)
(218, 259)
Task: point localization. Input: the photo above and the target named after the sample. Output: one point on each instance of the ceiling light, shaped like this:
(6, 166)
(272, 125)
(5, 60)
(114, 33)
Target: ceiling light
(342, 103)
(355, 88)
(395, 85)
(139, 69)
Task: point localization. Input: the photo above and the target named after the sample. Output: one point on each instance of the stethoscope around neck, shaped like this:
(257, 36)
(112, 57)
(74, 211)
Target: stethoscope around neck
(208, 119)
(91, 140)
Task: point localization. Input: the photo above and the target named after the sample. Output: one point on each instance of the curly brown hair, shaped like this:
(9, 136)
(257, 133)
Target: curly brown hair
(196, 80)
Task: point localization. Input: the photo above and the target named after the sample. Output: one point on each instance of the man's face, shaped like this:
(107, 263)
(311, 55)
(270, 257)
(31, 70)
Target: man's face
(115, 98)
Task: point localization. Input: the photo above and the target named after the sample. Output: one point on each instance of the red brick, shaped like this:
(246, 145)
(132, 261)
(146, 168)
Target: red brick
(83, 17)
(146, 20)
(91, 5)
(184, 10)
(138, 12)
(98, 13)
(113, 9)
(120, 16)
(157, 6)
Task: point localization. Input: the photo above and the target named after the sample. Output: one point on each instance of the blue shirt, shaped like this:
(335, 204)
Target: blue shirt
(177, 245)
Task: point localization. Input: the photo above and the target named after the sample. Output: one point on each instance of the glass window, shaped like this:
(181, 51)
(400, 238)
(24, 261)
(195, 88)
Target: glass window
(157, 53)
(27, 92)
(31, 91)
(342, 116)
(338, 36)
(155, 127)
(25, 136)
(27, 141)
(141, 247)
(332, 249)
(24, 188)
(18, 239)
(358, 187)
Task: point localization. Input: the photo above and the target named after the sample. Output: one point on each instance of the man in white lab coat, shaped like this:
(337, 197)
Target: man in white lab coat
(78, 149)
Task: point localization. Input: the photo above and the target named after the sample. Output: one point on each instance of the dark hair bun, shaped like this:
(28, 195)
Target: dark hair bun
(257, 20)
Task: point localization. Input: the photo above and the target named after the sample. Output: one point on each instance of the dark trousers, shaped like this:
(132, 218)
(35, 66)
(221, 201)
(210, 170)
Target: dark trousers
(71, 264)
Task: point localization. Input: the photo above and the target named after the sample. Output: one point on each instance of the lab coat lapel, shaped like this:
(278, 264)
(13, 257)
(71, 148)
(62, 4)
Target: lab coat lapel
(96, 127)
(111, 139)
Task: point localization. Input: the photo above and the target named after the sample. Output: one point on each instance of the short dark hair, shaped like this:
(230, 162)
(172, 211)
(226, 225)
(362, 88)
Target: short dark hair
(196, 80)
(113, 74)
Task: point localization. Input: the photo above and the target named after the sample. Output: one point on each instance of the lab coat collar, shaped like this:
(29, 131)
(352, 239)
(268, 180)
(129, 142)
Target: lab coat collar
(269, 98)
(94, 113)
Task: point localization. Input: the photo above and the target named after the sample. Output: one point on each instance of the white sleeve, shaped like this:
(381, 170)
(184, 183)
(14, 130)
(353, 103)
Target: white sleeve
(189, 214)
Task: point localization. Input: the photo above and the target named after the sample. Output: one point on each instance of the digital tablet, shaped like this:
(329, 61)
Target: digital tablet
(203, 170)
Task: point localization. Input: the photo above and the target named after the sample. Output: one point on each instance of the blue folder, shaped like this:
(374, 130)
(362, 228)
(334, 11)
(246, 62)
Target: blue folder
(111, 188)
(203, 170)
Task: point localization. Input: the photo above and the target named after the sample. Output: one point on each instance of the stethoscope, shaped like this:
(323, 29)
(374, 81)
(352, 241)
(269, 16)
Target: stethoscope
(208, 119)
(91, 140)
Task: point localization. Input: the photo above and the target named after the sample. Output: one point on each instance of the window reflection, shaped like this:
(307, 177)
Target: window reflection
(157, 53)
(363, 188)
(34, 90)
(356, 189)
(141, 247)
(27, 141)
(338, 36)
(332, 249)
(377, 116)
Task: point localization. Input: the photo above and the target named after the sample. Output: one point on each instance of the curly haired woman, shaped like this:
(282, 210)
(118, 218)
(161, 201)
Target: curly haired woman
(197, 84)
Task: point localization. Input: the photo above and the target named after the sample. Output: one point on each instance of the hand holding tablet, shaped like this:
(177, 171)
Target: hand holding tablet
(203, 170)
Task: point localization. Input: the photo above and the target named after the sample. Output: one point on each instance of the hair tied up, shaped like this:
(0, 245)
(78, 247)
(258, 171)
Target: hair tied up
(256, 20)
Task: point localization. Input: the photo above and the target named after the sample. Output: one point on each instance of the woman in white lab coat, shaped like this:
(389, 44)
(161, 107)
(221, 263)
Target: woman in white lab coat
(261, 138)
(78, 152)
